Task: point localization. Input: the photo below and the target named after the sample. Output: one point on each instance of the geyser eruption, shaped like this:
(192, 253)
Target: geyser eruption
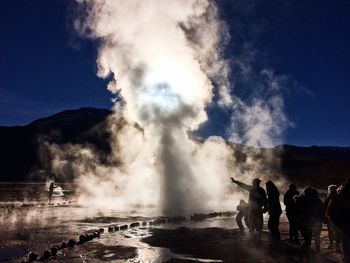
(164, 59)
(163, 56)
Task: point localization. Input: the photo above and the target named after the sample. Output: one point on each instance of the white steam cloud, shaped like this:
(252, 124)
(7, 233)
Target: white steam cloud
(166, 64)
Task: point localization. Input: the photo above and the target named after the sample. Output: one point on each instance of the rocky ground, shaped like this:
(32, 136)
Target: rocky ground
(206, 238)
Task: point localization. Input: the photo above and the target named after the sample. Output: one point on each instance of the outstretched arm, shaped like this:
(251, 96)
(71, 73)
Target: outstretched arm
(242, 185)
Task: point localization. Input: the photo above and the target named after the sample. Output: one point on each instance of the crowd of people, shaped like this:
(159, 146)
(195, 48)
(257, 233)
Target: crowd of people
(305, 211)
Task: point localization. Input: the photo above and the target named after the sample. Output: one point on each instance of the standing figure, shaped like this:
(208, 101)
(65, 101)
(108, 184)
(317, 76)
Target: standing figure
(51, 187)
(317, 212)
(289, 201)
(309, 211)
(243, 212)
(274, 209)
(257, 201)
(334, 233)
(338, 212)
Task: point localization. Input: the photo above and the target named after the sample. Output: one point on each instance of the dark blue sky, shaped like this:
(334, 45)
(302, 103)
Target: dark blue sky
(45, 68)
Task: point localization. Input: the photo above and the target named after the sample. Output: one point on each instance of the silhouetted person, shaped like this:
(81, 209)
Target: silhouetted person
(257, 201)
(274, 209)
(338, 212)
(334, 233)
(51, 187)
(243, 212)
(317, 212)
(289, 201)
(309, 211)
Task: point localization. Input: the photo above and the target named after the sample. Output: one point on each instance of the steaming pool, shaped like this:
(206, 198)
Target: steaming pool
(35, 226)
(30, 224)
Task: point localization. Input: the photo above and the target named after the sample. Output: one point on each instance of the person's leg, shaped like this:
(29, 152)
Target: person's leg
(296, 229)
(316, 230)
(270, 226)
(273, 224)
(259, 220)
(306, 232)
(277, 224)
(246, 221)
(338, 238)
(239, 221)
(291, 230)
(252, 219)
(331, 234)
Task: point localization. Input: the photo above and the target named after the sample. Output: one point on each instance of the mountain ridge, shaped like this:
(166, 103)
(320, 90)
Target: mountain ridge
(20, 147)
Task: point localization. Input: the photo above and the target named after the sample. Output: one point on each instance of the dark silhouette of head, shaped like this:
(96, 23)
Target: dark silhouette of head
(271, 188)
(308, 192)
(256, 182)
(314, 193)
(242, 202)
(332, 189)
(292, 187)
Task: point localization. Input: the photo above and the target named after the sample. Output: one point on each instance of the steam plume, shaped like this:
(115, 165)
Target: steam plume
(164, 58)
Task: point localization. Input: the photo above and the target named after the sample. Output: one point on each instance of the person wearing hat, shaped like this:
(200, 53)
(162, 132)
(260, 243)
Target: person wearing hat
(309, 213)
(275, 211)
(289, 201)
(257, 203)
(334, 233)
(338, 211)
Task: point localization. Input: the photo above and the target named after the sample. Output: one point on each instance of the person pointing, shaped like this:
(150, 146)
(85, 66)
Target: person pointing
(257, 203)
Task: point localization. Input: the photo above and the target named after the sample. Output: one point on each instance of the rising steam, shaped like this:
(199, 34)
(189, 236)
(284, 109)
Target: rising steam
(165, 61)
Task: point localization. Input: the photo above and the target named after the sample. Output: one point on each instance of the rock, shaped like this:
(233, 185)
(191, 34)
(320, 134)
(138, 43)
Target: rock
(83, 238)
(159, 221)
(46, 254)
(213, 214)
(32, 257)
(54, 250)
(227, 214)
(63, 245)
(135, 224)
(71, 243)
(123, 227)
(97, 233)
(199, 217)
(176, 219)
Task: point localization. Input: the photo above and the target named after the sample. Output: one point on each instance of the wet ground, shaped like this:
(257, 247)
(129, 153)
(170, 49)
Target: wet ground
(35, 226)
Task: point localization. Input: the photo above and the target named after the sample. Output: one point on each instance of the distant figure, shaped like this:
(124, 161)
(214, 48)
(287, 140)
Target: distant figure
(274, 209)
(257, 201)
(243, 212)
(338, 212)
(289, 201)
(309, 211)
(317, 217)
(334, 234)
(51, 187)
